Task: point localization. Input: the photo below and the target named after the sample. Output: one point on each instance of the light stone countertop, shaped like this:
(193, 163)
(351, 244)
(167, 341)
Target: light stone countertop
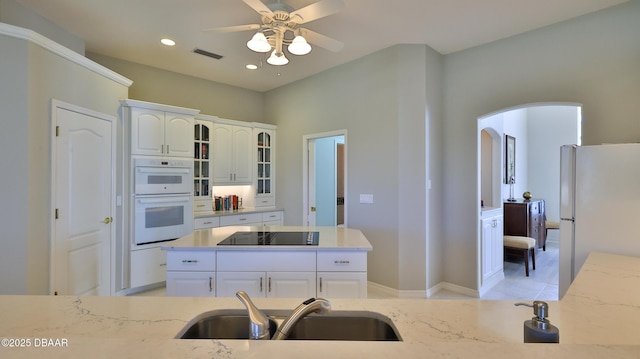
(241, 211)
(597, 318)
(330, 238)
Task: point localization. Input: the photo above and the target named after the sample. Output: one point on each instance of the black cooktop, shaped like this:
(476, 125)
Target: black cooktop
(271, 239)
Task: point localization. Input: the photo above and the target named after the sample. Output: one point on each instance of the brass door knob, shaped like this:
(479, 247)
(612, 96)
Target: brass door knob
(107, 220)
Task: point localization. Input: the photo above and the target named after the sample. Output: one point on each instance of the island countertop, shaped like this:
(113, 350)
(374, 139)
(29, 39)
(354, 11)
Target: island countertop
(330, 238)
(597, 318)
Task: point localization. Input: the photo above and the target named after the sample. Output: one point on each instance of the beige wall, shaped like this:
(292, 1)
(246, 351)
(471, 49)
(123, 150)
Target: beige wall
(31, 77)
(166, 87)
(593, 60)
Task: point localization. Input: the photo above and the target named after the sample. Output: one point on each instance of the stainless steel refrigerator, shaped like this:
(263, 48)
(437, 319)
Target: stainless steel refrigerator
(599, 204)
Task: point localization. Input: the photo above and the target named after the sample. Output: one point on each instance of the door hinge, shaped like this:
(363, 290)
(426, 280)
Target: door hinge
(57, 213)
(57, 131)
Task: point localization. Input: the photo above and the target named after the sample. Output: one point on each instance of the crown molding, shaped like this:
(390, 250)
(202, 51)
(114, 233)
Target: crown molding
(66, 53)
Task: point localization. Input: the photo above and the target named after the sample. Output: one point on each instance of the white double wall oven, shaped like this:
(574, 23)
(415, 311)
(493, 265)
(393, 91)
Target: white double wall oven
(162, 199)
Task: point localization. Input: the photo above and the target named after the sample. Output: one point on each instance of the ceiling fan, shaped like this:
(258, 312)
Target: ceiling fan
(279, 27)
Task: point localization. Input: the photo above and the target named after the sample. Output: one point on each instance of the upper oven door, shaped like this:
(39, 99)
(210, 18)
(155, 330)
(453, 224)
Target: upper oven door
(162, 180)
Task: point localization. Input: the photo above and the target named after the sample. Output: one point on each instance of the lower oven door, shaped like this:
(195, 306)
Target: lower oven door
(160, 218)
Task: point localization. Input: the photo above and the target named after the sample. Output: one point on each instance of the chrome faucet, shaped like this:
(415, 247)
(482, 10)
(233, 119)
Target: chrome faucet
(311, 305)
(259, 323)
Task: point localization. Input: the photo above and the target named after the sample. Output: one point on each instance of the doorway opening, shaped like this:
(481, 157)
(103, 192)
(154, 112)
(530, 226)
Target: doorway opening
(325, 178)
(539, 131)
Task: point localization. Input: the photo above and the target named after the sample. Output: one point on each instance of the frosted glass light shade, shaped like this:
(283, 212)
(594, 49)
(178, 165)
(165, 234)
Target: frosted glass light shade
(259, 43)
(277, 59)
(299, 46)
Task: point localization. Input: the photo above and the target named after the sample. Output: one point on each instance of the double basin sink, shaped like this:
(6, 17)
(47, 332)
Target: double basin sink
(336, 325)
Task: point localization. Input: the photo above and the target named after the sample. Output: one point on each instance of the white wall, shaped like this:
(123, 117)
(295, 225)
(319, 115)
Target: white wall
(592, 60)
(549, 127)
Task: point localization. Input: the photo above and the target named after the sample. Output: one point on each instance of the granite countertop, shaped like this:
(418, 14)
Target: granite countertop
(330, 238)
(597, 318)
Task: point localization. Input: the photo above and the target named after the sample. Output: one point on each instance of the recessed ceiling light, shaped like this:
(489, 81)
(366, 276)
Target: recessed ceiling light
(168, 42)
(251, 67)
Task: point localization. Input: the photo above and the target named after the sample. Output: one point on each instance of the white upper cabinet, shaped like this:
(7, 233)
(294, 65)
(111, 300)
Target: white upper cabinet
(160, 130)
(231, 154)
(264, 182)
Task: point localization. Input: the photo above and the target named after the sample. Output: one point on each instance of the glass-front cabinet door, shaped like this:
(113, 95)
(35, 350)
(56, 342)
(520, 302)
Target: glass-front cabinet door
(265, 167)
(202, 166)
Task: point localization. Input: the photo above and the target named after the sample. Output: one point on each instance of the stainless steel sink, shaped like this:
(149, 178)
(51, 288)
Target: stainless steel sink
(363, 326)
(221, 324)
(337, 325)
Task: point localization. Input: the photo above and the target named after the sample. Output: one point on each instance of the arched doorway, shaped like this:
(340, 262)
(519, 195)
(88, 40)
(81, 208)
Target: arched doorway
(539, 129)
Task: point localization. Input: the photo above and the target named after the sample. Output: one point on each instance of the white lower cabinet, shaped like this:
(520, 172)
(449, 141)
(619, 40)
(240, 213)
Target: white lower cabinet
(342, 284)
(342, 274)
(267, 284)
(147, 266)
(281, 273)
(191, 273)
(191, 284)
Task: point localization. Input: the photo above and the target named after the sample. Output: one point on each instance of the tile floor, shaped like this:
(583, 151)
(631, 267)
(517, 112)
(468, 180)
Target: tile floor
(542, 283)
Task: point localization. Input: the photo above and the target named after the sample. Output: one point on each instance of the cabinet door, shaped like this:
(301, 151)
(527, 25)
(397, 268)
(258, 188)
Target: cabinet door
(178, 135)
(228, 283)
(191, 284)
(221, 153)
(147, 132)
(342, 284)
(147, 266)
(291, 284)
(242, 159)
(265, 168)
(491, 247)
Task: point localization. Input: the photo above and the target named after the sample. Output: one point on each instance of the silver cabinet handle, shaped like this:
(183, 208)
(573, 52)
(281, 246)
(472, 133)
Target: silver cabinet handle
(210, 286)
(269, 285)
(320, 284)
(167, 149)
(341, 262)
(189, 261)
(260, 284)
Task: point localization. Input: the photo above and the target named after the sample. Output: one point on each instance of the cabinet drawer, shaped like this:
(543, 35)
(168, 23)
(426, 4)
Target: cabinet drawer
(241, 219)
(206, 222)
(265, 201)
(271, 216)
(191, 260)
(341, 261)
(245, 261)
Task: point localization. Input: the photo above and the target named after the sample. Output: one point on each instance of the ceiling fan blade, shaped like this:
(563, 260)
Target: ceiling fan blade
(316, 10)
(233, 28)
(321, 40)
(259, 7)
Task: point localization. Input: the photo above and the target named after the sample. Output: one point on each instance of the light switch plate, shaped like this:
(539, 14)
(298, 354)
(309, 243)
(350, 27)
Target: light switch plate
(366, 198)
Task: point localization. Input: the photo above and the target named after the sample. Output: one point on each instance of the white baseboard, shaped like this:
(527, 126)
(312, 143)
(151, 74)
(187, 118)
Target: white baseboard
(452, 288)
(395, 293)
(131, 291)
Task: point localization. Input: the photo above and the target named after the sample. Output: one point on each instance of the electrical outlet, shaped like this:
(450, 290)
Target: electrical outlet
(366, 198)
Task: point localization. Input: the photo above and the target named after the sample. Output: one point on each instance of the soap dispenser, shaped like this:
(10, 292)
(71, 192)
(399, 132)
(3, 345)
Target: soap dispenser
(539, 329)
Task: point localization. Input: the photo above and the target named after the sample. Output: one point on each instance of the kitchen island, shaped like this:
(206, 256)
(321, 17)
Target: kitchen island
(269, 261)
(597, 318)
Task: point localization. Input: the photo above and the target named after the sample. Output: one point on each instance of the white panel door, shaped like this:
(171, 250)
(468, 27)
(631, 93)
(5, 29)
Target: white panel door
(243, 154)
(83, 167)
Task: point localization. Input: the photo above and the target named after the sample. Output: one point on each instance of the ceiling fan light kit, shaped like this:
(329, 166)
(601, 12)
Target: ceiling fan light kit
(259, 43)
(278, 19)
